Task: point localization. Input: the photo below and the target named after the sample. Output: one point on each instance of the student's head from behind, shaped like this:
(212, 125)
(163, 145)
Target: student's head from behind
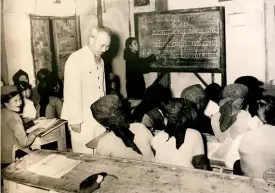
(214, 92)
(10, 98)
(109, 112)
(20, 75)
(100, 40)
(266, 109)
(41, 74)
(25, 89)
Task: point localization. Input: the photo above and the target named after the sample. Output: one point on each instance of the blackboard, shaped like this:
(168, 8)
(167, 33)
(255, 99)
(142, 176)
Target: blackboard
(198, 43)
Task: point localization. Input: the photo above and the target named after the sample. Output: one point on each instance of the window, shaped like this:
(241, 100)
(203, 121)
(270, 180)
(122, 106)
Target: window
(53, 39)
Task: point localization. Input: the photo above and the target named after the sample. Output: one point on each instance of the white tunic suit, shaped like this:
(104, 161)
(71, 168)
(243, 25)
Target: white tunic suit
(84, 84)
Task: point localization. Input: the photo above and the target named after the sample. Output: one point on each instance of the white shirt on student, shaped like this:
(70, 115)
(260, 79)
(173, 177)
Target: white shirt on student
(167, 153)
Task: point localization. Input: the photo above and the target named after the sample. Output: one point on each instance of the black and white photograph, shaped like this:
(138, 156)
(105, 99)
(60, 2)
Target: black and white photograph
(137, 96)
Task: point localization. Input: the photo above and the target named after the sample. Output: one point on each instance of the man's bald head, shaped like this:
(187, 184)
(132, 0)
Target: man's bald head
(100, 41)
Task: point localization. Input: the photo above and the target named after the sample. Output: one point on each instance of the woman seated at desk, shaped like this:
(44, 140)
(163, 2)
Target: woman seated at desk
(13, 134)
(230, 120)
(177, 144)
(257, 147)
(50, 104)
(123, 140)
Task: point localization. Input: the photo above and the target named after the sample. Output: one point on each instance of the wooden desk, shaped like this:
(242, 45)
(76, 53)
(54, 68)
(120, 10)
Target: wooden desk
(130, 176)
(56, 133)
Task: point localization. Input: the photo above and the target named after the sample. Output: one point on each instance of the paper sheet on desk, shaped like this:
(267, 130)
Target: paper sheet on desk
(43, 123)
(54, 166)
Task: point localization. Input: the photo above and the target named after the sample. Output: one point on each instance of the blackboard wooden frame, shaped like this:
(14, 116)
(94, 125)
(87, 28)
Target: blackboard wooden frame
(222, 66)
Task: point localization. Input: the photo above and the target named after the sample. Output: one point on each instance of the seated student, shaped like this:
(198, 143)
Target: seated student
(196, 95)
(123, 140)
(177, 144)
(230, 121)
(50, 104)
(113, 87)
(154, 120)
(41, 74)
(153, 97)
(232, 103)
(29, 110)
(257, 147)
(254, 90)
(13, 135)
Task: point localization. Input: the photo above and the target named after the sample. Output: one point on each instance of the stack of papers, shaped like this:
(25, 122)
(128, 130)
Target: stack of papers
(43, 123)
(54, 166)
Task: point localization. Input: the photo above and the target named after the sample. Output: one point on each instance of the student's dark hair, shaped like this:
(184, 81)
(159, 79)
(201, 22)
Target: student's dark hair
(214, 92)
(42, 73)
(127, 49)
(254, 92)
(46, 89)
(267, 103)
(5, 98)
(154, 96)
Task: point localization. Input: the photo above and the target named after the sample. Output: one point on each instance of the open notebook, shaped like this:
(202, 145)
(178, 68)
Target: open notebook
(54, 166)
(48, 125)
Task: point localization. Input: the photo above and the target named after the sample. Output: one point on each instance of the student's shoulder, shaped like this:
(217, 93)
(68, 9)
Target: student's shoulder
(193, 133)
(54, 99)
(76, 55)
(108, 139)
(9, 115)
(139, 129)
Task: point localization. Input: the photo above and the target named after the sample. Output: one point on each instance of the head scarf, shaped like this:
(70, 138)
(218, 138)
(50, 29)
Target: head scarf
(7, 92)
(23, 86)
(235, 91)
(196, 95)
(17, 75)
(231, 104)
(8, 89)
(108, 111)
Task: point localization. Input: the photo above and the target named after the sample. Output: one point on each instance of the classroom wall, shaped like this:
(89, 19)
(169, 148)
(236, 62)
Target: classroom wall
(18, 34)
(245, 43)
(245, 34)
(270, 38)
(4, 67)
